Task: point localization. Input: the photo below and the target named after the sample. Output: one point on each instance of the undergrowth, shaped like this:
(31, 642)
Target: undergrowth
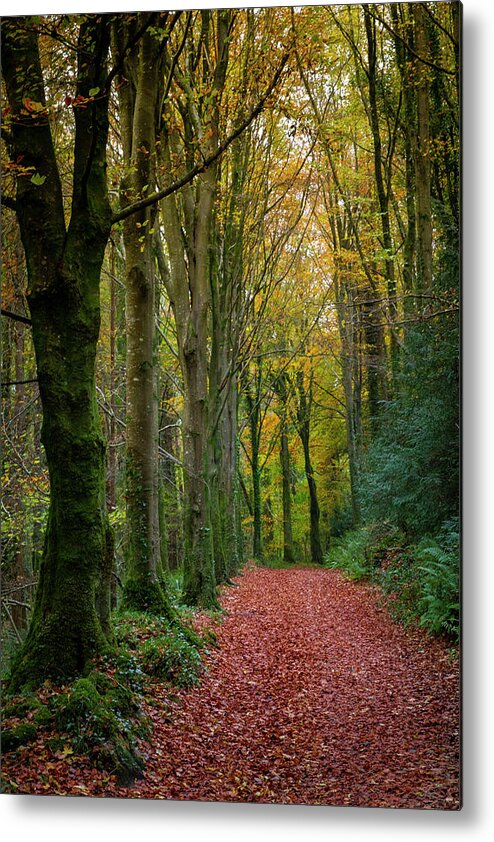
(419, 581)
(100, 715)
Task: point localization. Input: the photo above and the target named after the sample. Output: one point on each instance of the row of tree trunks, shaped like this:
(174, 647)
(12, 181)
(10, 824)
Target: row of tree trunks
(188, 286)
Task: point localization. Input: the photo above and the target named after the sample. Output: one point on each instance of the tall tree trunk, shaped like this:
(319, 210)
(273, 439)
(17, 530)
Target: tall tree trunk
(346, 312)
(190, 313)
(171, 494)
(188, 233)
(111, 480)
(382, 179)
(219, 383)
(403, 58)
(374, 357)
(303, 426)
(280, 387)
(139, 102)
(254, 410)
(63, 266)
(288, 553)
(226, 282)
(422, 154)
(23, 545)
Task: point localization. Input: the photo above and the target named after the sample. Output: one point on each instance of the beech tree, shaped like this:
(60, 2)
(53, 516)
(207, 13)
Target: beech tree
(70, 622)
(281, 388)
(140, 89)
(188, 280)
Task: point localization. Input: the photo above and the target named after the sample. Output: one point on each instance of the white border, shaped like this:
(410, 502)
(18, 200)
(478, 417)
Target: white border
(49, 818)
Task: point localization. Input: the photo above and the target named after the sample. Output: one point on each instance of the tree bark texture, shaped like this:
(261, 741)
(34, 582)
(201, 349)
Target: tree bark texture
(422, 154)
(70, 617)
(254, 420)
(303, 426)
(188, 227)
(139, 102)
(288, 553)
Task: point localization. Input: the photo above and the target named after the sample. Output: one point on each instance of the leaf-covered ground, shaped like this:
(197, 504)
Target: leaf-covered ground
(313, 696)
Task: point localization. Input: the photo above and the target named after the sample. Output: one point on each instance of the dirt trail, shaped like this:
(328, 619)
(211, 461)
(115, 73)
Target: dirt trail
(313, 697)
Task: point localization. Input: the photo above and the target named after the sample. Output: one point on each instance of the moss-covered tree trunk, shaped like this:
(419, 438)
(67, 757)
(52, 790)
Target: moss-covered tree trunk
(218, 468)
(188, 291)
(223, 401)
(170, 480)
(70, 618)
(227, 278)
(188, 276)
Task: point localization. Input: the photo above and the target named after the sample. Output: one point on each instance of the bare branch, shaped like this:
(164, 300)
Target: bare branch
(207, 162)
(16, 317)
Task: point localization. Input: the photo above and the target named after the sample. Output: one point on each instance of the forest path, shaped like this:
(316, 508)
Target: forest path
(313, 697)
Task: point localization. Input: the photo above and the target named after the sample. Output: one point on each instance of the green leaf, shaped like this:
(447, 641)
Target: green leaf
(93, 91)
(38, 179)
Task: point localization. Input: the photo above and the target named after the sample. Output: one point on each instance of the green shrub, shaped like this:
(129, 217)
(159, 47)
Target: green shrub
(349, 554)
(423, 583)
(385, 541)
(135, 633)
(341, 519)
(399, 580)
(12, 738)
(439, 604)
(173, 658)
(43, 715)
(420, 582)
(410, 471)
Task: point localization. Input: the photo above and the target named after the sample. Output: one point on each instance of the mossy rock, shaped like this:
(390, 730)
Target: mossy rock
(80, 704)
(102, 718)
(13, 738)
(118, 759)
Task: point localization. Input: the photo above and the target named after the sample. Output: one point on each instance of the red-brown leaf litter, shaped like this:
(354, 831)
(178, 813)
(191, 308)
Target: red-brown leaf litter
(313, 696)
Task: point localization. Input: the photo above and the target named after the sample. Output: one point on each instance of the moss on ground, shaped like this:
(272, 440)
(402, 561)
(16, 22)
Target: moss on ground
(100, 714)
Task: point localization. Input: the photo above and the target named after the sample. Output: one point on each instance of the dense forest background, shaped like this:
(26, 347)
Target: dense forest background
(230, 313)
